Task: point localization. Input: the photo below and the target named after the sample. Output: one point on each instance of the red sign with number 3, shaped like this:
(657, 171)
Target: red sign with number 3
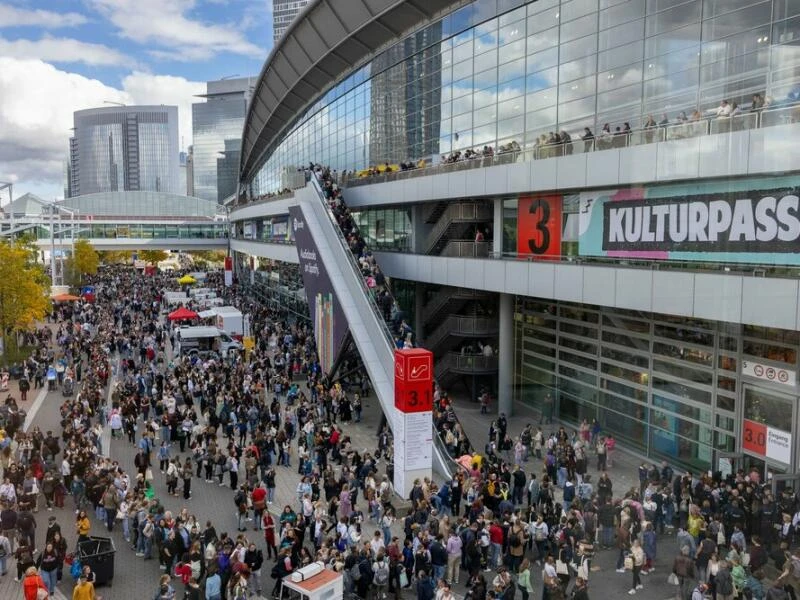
(413, 380)
(539, 225)
(754, 437)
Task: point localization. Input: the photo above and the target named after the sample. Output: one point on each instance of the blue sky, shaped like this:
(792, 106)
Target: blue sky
(58, 56)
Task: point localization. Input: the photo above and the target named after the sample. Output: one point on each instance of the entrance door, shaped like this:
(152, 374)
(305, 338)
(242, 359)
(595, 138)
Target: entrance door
(785, 483)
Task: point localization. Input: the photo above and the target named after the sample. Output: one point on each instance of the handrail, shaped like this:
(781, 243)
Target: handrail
(461, 325)
(353, 264)
(467, 362)
(459, 212)
(443, 297)
(466, 249)
(743, 268)
(765, 117)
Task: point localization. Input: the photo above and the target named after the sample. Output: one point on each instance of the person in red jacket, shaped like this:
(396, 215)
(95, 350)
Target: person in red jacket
(32, 583)
(496, 538)
(268, 523)
(259, 498)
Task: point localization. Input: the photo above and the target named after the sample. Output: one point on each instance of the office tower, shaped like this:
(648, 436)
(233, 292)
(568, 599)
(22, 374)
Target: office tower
(130, 148)
(217, 129)
(190, 172)
(283, 13)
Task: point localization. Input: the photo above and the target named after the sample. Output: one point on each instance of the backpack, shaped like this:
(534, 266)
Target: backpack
(382, 574)
(196, 567)
(355, 572)
(240, 593)
(724, 583)
(75, 569)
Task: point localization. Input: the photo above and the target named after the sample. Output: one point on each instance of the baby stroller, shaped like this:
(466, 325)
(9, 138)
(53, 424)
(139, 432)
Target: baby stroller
(68, 387)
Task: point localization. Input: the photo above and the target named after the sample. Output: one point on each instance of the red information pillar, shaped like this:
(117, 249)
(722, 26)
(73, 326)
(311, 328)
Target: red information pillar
(412, 421)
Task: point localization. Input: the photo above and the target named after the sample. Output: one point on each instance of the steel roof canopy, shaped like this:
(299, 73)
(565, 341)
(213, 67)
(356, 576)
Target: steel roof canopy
(327, 39)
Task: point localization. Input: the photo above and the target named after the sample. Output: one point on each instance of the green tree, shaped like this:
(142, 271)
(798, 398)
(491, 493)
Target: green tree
(115, 257)
(23, 291)
(84, 261)
(153, 257)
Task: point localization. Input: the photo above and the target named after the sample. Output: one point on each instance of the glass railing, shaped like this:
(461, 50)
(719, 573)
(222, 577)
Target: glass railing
(767, 117)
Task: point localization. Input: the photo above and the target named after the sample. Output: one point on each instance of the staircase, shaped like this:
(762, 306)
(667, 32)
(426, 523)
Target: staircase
(370, 333)
(455, 328)
(455, 363)
(455, 221)
(451, 299)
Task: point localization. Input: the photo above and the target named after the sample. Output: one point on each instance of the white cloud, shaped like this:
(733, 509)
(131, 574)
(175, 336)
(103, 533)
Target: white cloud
(166, 23)
(12, 16)
(35, 129)
(63, 50)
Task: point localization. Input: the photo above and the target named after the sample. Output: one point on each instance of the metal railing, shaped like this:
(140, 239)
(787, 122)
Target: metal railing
(462, 326)
(767, 117)
(459, 212)
(444, 296)
(466, 363)
(466, 249)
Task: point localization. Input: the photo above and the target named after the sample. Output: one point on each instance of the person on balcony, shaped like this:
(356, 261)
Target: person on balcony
(724, 109)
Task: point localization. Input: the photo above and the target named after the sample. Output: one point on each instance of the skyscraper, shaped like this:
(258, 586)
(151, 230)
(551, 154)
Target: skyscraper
(283, 13)
(217, 129)
(131, 148)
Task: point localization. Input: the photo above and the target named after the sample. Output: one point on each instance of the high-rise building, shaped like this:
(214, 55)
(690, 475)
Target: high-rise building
(216, 122)
(190, 172)
(131, 148)
(283, 13)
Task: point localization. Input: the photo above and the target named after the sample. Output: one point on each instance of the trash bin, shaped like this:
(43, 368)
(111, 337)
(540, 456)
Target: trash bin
(98, 553)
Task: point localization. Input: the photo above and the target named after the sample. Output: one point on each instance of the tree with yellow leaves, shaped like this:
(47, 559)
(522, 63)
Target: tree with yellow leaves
(23, 290)
(153, 257)
(84, 261)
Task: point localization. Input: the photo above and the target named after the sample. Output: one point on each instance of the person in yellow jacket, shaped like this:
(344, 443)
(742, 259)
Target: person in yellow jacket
(83, 590)
(82, 526)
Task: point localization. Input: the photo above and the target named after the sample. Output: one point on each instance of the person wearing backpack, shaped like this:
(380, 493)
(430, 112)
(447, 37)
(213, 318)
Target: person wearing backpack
(723, 582)
(380, 577)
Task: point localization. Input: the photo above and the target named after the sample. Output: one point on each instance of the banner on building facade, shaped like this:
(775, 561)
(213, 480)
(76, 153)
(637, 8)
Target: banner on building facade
(764, 372)
(706, 222)
(767, 442)
(539, 225)
(330, 324)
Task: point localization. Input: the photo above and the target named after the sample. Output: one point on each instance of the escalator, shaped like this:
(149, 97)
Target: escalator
(369, 331)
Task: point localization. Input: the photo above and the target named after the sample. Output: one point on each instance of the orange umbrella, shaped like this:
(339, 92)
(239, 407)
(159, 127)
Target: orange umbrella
(64, 298)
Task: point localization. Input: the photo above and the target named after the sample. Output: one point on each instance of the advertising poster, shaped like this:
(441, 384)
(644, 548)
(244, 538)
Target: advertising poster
(539, 225)
(330, 324)
(748, 221)
(767, 442)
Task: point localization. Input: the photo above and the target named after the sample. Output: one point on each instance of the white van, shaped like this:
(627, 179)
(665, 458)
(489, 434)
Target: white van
(204, 339)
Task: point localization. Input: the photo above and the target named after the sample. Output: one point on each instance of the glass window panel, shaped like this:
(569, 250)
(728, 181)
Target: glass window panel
(735, 22)
(512, 89)
(542, 60)
(683, 372)
(511, 18)
(637, 360)
(623, 55)
(740, 91)
(713, 8)
(485, 43)
(512, 51)
(576, 89)
(629, 426)
(654, 6)
(578, 48)
(541, 80)
(609, 3)
(727, 383)
(622, 13)
(680, 352)
(540, 120)
(511, 128)
(462, 139)
(462, 52)
(485, 115)
(625, 96)
(673, 62)
(511, 108)
(786, 32)
(578, 109)
(485, 61)
(578, 28)
(512, 70)
(677, 388)
(672, 41)
(763, 407)
(726, 403)
(682, 408)
(542, 41)
(485, 135)
(732, 69)
(575, 329)
(618, 78)
(673, 18)
(462, 122)
(577, 8)
(577, 68)
(462, 86)
(543, 21)
(484, 97)
(513, 32)
(783, 9)
(622, 35)
(542, 5)
(463, 69)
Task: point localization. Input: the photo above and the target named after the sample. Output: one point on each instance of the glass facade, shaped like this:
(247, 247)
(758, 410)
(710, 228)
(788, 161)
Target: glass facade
(126, 148)
(216, 133)
(385, 228)
(671, 387)
(497, 71)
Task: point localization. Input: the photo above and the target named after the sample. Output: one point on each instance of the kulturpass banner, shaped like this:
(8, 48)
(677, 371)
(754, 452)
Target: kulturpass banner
(746, 221)
(330, 324)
